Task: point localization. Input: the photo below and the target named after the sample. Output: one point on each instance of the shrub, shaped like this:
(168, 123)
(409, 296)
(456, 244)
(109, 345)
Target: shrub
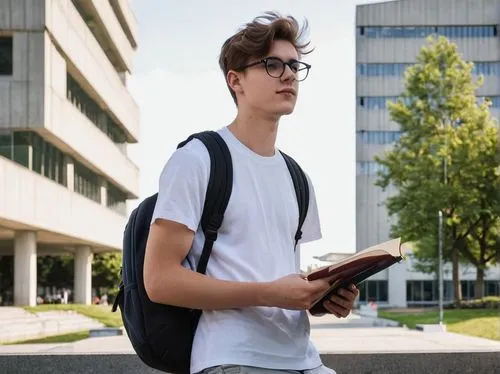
(490, 302)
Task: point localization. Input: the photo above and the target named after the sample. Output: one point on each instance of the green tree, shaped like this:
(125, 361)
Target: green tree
(6, 279)
(106, 271)
(445, 161)
(55, 271)
(59, 271)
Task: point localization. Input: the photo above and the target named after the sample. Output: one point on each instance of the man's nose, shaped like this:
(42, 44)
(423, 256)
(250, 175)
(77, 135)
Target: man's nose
(288, 74)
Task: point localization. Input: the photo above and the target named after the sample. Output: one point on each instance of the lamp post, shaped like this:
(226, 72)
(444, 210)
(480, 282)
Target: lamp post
(440, 246)
(440, 212)
(440, 266)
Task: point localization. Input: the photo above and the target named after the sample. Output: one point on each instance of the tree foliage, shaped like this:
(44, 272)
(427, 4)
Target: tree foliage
(446, 160)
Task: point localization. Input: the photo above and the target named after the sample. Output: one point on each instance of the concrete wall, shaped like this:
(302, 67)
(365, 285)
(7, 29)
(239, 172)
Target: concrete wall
(115, 31)
(128, 19)
(22, 15)
(38, 202)
(21, 95)
(89, 63)
(429, 12)
(373, 222)
(388, 363)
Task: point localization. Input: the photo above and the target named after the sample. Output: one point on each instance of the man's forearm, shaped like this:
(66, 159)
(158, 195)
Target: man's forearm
(186, 288)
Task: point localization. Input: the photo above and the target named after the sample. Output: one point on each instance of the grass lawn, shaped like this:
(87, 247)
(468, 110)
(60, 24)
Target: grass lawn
(483, 323)
(101, 313)
(65, 338)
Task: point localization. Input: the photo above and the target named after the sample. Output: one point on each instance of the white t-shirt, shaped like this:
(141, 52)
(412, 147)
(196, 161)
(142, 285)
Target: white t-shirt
(255, 244)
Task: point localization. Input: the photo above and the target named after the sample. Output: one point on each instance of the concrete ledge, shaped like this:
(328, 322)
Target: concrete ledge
(388, 363)
(431, 328)
(105, 331)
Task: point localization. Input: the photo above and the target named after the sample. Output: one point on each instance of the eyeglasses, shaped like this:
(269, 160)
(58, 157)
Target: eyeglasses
(275, 67)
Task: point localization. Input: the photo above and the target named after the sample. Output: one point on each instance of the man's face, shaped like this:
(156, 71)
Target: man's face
(262, 89)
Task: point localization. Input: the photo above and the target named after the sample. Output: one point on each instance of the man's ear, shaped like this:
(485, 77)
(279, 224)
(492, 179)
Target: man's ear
(234, 81)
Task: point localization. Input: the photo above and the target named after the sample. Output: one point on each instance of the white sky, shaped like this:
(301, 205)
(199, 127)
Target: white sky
(180, 90)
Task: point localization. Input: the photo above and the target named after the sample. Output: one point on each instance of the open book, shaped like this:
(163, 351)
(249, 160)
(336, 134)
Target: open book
(356, 268)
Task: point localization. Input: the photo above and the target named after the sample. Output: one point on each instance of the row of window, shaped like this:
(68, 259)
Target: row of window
(424, 291)
(428, 292)
(32, 151)
(81, 100)
(377, 137)
(489, 31)
(369, 168)
(374, 102)
(6, 55)
(380, 102)
(398, 69)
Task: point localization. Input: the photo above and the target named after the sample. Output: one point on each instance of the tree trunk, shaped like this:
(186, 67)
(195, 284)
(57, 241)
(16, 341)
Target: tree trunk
(456, 275)
(479, 286)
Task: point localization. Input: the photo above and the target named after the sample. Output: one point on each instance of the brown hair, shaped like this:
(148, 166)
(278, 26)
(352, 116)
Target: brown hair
(256, 38)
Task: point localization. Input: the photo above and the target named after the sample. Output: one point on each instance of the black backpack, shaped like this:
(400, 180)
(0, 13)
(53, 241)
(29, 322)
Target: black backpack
(160, 334)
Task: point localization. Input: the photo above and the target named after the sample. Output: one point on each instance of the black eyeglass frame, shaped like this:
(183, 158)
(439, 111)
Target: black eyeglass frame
(284, 65)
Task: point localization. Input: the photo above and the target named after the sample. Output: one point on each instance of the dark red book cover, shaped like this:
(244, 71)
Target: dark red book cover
(355, 269)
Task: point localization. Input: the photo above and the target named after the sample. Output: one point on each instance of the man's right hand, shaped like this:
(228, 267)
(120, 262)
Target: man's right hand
(294, 292)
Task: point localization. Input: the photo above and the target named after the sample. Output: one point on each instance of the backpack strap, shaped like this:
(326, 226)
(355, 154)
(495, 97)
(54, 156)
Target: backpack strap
(220, 185)
(301, 186)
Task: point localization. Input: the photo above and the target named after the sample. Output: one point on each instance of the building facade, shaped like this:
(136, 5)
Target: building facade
(66, 117)
(389, 36)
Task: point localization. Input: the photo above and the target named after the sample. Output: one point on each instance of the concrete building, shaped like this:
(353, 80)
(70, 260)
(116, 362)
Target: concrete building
(66, 117)
(389, 36)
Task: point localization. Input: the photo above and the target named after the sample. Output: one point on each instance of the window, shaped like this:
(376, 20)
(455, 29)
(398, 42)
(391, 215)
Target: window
(426, 292)
(491, 288)
(6, 145)
(101, 119)
(369, 168)
(6, 55)
(487, 68)
(378, 137)
(375, 102)
(382, 69)
(468, 289)
(378, 102)
(372, 290)
(87, 182)
(21, 151)
(488, 31)
(116, 199)
(47, 160)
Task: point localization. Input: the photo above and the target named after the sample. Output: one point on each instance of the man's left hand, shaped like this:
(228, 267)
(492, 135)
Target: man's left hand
(341, 303)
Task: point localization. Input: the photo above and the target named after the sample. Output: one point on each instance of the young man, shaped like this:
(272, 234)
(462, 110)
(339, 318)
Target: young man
(254, 303)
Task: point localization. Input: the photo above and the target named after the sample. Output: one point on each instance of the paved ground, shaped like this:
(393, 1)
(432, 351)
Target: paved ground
(354, 334)
(359, 335)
